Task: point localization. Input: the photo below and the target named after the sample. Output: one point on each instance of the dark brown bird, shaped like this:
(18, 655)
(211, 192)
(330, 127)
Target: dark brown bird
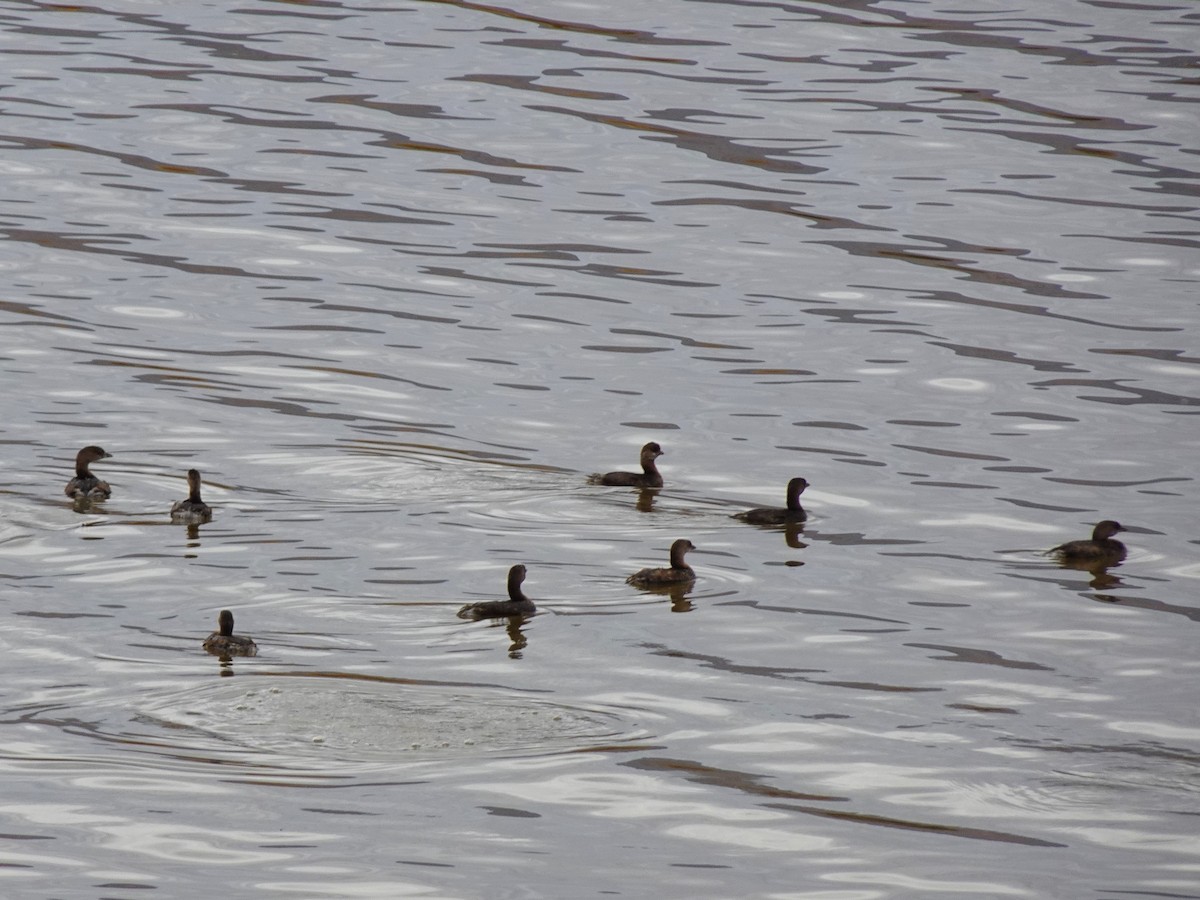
(771, 515)
(1101, 548)
(649, 477)
(517, 603)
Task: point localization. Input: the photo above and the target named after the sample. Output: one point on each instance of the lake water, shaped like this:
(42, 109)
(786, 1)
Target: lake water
(397, 277)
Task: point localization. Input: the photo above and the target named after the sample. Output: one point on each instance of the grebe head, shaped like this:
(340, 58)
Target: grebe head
(651, 451)
(678, 550)
(88, 455)
(795, 488)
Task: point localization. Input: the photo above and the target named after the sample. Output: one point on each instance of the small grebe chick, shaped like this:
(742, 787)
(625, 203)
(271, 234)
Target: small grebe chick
(1101, 547)
(85, 485)
(224, 642)
(649, 477)
(193, 510)
(517, 603)
(678, 572)
(769, 515)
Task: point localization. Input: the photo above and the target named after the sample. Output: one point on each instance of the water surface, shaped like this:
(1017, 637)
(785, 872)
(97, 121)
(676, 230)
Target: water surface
(398, 278)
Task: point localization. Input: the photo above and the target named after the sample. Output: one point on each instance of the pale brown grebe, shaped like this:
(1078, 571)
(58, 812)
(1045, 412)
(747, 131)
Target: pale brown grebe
(224, 642)
(193, 510)
(85, 485)
(678, 572)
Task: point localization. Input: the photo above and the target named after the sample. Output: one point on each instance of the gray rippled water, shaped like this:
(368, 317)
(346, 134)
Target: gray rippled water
(397, 278)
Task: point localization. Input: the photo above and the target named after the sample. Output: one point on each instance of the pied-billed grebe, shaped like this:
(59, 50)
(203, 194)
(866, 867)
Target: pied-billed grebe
(649, 477)
(678, 572)
(224, 642)
(1101, 547)
(193, 510)
(517, 603)
(769, 515)
(85, 485)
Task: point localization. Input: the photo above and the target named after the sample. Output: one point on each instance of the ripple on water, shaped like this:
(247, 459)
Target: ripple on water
(372, 723)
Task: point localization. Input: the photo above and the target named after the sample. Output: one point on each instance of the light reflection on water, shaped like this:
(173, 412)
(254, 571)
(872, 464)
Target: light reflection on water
(397, 280)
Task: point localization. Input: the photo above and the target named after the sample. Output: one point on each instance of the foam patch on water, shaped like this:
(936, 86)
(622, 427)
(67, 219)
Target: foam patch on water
(373, 722)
